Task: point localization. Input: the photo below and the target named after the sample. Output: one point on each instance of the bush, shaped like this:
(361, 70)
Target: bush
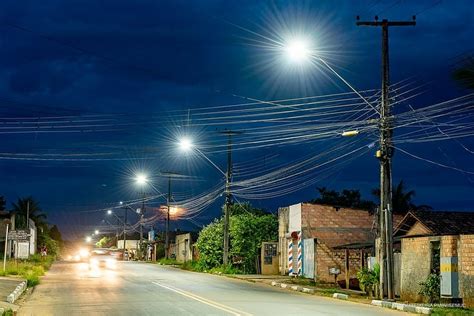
(225, 269)
(431, 288)
(192, 266)
(369, 279)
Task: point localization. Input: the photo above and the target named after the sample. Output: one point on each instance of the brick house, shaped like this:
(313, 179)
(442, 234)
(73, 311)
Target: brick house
(343, 239)
(439, 242)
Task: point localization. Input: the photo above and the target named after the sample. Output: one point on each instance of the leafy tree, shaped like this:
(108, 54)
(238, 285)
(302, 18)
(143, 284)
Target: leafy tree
(2, 203)
(35, 212)
(346, 198)
(464, 74)
(246, 208)
(247, 231)
(55, 234)
(210, 244)
(431, 288)
(104, 242)
(402, 200)
(44, 239)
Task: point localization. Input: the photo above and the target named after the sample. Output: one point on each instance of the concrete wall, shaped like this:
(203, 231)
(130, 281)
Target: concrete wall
(183, 249)
(416, 265)
(283, 222)
(466, 269)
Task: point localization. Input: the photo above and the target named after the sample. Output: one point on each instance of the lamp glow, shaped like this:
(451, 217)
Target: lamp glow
(297, 50)
(96, 232)
(141, 179)
(109, 212)
(88, 239)
(185, 144)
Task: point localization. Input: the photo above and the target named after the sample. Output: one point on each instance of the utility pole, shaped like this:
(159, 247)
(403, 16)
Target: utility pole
(168, 205)
(384, 245)
(169, 198)
(124, 232)
(228, 193)
(142, 214)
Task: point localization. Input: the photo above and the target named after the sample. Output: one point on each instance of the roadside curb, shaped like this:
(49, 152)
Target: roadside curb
(13, 296)
(296, 288)
(403, 307)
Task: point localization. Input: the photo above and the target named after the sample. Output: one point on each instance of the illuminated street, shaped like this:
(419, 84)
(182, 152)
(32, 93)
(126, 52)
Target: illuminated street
(147, 289)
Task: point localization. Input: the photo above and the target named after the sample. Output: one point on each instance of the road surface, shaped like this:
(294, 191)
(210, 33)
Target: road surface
(149, 289)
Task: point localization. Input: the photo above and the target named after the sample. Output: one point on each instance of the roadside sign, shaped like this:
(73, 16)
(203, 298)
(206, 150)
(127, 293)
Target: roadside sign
(18, 235)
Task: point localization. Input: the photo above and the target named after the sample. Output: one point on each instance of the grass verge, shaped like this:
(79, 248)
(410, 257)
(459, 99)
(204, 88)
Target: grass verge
(30, 269)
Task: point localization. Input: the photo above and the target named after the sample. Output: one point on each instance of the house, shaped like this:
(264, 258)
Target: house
(325, 242)
(437, 242)
(17, 248)
(184, 246)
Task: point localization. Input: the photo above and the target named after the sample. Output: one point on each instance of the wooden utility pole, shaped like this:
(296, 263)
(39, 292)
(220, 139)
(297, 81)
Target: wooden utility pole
(228, 193)
(384, 154)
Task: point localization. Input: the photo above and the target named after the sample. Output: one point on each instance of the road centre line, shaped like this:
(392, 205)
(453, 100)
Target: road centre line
(203, 300)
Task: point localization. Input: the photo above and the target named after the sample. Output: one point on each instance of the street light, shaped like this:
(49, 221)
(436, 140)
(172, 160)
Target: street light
(109, 212)
(297, 50)
(88, 239)
(141, 179)
(185, 144)
(96, 232)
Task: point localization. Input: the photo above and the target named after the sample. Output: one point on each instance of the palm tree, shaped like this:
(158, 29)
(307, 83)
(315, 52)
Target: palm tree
(28, 205)
(402, 201)
(464, 74)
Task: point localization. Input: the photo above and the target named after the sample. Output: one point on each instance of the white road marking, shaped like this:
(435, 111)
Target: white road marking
(203, 300)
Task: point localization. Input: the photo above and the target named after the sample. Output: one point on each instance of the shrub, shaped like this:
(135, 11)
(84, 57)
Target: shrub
(431, 288)
(169, 261)
(368, 279)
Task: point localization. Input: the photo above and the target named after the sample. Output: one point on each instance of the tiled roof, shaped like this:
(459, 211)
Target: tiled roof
(441, 222)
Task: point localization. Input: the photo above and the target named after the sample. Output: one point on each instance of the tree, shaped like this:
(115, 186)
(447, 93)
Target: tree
(21, 208)
(347, 198)
(246, 208)
(2, 203)
(248, 229)
(464, 74)
(55, 234)
(402, 200)
(104, 242)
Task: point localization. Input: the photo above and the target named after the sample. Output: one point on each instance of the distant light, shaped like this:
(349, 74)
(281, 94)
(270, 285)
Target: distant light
(350, 133)
(141, 179)
(109, 212)
(88, 239)
(185, 144)
(121, 203)
(139, 210)
(297, 50)
(96, 232)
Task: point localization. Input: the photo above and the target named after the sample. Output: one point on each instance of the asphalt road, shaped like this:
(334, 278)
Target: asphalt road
(149, 289)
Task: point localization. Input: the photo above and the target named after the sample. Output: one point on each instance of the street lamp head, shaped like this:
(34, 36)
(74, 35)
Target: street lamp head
(109, 212)
(96, 232)
(297, 50)
(141, 179)
(121, 203)
(88, 239)
(185, 144)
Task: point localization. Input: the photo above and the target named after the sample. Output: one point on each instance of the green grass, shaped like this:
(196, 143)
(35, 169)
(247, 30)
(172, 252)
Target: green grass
(168, 262)
(452, 311)
(30, 269)
(8, 312)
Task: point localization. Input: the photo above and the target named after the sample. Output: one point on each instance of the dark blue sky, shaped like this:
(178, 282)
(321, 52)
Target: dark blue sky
(140, 60)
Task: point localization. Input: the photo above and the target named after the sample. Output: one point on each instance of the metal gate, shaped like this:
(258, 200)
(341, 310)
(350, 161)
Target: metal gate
(308, 258)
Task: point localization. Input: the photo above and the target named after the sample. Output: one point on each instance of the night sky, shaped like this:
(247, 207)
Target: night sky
(130, 76)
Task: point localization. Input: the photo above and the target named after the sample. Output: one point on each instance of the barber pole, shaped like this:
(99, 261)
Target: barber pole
(290, 257)
(300, 254)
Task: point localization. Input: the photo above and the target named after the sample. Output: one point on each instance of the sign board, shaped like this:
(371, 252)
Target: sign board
(294, 218)
(18, 235)
(151, 235)
(22, 249)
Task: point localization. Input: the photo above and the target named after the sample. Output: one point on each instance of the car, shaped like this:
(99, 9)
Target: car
(102, 258)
